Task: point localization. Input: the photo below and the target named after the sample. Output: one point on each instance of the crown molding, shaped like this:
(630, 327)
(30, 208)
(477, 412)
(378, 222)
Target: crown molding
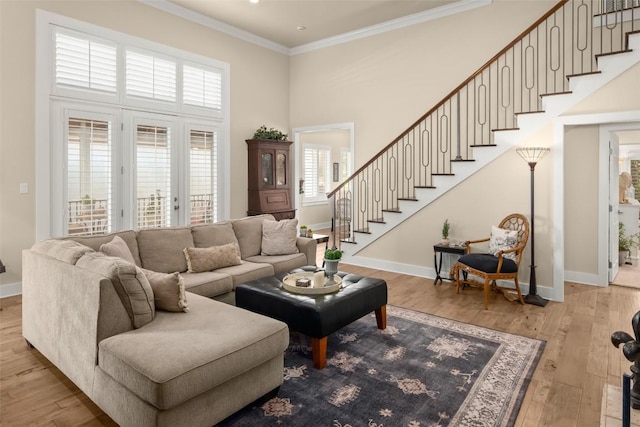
(394, 24)
(214, 24)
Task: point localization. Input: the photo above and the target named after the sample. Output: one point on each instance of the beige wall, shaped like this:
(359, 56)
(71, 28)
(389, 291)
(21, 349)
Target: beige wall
(581, 169)
(259, 95)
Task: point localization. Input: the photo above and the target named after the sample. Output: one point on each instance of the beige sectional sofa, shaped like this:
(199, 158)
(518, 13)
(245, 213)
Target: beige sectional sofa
(93, 316)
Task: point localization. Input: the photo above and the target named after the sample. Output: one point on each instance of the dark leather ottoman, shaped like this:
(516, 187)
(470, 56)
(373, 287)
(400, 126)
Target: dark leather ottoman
(316, 315)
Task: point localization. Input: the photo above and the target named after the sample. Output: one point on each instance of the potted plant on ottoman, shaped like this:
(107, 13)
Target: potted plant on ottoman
(331, 259)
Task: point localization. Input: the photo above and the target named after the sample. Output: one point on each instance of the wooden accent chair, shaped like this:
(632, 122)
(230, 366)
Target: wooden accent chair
(496, 266)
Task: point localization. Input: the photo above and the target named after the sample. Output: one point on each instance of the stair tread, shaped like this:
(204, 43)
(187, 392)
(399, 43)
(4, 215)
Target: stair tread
(424, 186)
(529, 112)
(568, 92)
(408, 199)
(613, 53)
(460, 160)
(504, 129)
(569, 76)
(484, 145)
(392, 210)
(443, 174)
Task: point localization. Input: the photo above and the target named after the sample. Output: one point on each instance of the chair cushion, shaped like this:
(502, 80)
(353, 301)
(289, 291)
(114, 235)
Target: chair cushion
(488, 263)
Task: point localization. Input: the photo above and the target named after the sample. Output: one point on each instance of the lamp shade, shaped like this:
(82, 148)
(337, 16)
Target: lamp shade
(532, 154)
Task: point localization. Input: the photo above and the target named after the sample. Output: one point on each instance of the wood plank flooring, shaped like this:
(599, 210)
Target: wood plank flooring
(566, 389)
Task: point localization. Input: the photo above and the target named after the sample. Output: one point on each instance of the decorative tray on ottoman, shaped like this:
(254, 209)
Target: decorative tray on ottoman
(289, 283)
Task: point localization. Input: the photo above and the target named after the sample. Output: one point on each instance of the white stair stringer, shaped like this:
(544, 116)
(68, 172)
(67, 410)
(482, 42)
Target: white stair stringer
(610, 67)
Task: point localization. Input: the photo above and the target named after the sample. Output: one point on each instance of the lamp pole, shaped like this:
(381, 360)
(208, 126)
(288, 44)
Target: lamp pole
(532, 156)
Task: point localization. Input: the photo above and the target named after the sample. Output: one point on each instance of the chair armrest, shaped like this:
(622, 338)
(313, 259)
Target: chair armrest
(468, 243)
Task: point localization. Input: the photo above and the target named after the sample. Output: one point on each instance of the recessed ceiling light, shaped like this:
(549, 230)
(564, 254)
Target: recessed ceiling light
(254, 1)
(301, 28)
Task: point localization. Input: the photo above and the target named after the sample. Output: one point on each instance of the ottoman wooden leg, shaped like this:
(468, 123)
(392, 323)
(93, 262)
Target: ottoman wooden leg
(381, 317)
(319, 352)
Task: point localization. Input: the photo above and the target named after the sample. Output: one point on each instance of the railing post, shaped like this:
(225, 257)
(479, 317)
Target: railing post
(458, 156)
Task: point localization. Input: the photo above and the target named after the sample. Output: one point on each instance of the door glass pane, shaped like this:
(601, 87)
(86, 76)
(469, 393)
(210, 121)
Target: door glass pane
(203, 176)
(281, 171)
(153, 179)
(88, 176)
(267, 169)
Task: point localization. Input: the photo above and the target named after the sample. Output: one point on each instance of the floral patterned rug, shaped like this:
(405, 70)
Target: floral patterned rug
(421, 371)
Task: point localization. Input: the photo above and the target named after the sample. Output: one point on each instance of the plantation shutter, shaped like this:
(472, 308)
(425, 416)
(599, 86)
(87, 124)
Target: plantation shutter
(202, 87)
(203, 175)
(84, 63)
(151, 77)
(88, 170)
(316, 172)
(153, 176)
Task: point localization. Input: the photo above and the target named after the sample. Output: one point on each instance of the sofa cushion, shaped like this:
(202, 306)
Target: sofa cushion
(279, 237)
(281, 263)
(217, 234)
(247, 271)
(161, 248)
(168, 290)
(94, 242)
(118, 247)
(249, 234)
(68, 251)
(129, 281)
(212, 258)
(199, 350)
(208, 283)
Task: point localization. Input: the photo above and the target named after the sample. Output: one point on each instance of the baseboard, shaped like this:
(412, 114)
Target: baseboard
(10, 289)
(583, 278)
(430, 273)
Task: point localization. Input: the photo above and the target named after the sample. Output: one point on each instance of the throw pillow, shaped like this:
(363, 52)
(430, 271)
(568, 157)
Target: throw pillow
(501, 240)
(207, 259)
(130, 284)
(118, 248)
(279, 237)
(168, 290)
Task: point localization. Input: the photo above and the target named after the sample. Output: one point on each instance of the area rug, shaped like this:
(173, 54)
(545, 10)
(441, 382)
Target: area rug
(422, 370)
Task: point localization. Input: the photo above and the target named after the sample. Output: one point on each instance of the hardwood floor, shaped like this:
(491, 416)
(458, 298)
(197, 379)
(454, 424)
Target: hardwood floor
(566, 389)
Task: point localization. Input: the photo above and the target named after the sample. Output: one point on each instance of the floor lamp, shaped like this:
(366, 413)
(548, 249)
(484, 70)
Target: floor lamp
(532, 155)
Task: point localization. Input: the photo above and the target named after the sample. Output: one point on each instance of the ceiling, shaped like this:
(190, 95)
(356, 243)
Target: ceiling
(278, 20)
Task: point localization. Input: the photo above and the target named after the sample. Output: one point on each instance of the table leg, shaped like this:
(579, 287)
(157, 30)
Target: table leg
(381, 317)
(319, 352)
(438, 266)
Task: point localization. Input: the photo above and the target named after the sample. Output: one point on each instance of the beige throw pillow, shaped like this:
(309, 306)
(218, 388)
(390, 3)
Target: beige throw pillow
(207, 259)
(118, 247)
(168, 290)
(279, 237)
(130, 284)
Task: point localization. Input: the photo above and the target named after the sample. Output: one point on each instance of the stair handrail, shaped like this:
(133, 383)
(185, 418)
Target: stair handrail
(459, 88)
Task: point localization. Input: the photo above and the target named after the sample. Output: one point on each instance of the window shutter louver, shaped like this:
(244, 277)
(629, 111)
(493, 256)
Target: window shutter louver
(202, 87)
(83, 63)
(88, 176)
(150, 77)
(317, 173)
(203, 173)
(153, 180)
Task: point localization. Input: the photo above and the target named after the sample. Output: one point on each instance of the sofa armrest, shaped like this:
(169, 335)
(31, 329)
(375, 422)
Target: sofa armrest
(307, 246)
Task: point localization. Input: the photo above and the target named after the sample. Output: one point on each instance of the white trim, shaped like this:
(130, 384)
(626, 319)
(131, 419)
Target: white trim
(214, 24)
(583, 278)
(558, 194)
(383, 27)
(394, 24)
(10, 289)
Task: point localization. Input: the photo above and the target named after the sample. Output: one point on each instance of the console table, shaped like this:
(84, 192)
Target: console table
(437, 261)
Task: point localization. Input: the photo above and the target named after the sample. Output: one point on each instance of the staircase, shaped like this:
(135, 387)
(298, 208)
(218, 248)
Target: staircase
(569, 53)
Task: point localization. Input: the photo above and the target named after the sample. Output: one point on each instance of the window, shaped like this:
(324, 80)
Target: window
(134, 131)
(317, 173)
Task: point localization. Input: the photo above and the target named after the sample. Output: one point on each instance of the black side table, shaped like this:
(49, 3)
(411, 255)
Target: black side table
(437, 263)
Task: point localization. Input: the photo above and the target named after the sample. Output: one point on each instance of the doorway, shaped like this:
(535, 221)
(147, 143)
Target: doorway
(628, 161)
(323, 158)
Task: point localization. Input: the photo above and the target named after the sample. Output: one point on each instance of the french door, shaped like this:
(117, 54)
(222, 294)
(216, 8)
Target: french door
(115, 169)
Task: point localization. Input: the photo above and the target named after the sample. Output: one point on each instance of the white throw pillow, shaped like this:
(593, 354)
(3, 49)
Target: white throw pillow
(501, 240)
(279, 237)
